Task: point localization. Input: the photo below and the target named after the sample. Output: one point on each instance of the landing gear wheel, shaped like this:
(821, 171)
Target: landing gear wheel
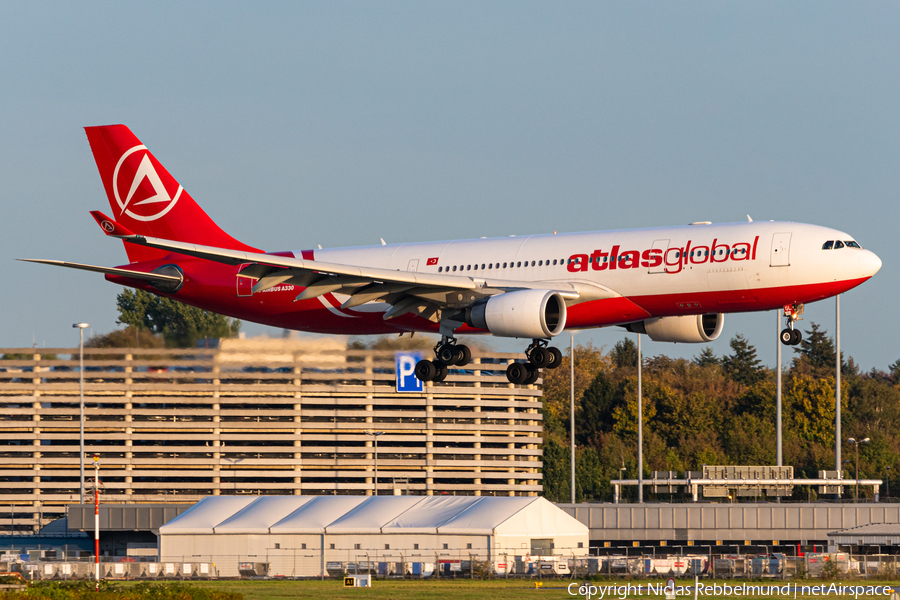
(447, 354)
(540, 357)
(516, 373)
(533, 374)
(463, 356)
(425, 370)
(557, 357)
(787, 337)
(441, 374)
(796, 337)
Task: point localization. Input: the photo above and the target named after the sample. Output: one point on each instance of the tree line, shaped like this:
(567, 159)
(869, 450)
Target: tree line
(713, 410)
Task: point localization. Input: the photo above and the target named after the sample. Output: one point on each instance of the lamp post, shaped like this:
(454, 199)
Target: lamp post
(97, 521)
(81, 327)
(572, 416)
(887, 482)
(640, 407)
(856, 444)
(375, 435)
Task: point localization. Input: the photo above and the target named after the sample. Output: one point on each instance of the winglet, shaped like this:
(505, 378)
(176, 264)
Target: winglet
(109, 226)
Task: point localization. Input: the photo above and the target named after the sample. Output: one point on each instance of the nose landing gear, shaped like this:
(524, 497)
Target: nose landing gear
(790, 336)
(447, 353)
(540, 356)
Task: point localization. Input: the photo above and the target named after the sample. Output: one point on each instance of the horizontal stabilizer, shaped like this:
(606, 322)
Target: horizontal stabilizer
(152, 277)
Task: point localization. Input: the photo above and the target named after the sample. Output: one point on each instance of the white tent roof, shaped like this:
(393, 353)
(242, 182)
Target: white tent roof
(485, 516)
(316, 514)
(206, 514)
(261, 514)
(372, 514)
(429, 514)
(448, 515)
(542, 516)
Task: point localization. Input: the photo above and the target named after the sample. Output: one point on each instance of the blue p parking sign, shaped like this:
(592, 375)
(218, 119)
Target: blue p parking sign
(405, 363)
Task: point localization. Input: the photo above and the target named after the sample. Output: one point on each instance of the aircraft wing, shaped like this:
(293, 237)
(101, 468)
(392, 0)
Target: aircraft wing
(406, 291)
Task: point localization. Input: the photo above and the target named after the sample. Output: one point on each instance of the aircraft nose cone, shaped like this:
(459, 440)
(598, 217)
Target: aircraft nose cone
(868, 263)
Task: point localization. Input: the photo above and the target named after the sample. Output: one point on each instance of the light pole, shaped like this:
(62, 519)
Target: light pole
(97, 521)
(81, 327)
(640, 400)
(375, 435)
(232, 462)
(572, 415)
(887, 482)
(778, 344)
(856, 444)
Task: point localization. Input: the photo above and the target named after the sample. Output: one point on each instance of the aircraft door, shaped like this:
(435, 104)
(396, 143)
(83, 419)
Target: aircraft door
(244, 284)
(413, 265)
(661, 245)
(781, 250)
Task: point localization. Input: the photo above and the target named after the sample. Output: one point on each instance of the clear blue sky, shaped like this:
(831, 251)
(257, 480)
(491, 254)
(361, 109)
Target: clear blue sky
(338, 123)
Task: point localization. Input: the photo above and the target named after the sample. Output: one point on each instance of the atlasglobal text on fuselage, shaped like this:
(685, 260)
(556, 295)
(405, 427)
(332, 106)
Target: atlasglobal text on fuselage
(673, 259)
(672, 283)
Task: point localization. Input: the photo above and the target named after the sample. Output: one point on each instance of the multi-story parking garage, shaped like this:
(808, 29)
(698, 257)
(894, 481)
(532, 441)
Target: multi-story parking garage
(281, 417)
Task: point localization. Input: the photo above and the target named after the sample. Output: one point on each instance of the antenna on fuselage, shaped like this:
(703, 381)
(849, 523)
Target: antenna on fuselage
(749, 220)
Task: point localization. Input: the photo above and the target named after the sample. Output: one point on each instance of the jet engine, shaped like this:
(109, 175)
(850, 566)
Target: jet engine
(689, 329)
(521, 314)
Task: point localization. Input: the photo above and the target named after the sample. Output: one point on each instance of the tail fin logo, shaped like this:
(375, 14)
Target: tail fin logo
(143, 201)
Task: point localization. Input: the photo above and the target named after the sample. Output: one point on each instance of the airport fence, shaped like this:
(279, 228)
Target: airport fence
(302, 564)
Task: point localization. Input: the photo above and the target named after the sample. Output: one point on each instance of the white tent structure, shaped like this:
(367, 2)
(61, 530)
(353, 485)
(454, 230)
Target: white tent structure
(311, 536)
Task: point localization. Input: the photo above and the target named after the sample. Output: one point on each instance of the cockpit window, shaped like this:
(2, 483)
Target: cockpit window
(838, 244)
(828, 245)
(852, 244)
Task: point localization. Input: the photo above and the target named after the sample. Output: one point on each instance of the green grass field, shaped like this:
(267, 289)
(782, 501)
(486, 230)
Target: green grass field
(458, 589)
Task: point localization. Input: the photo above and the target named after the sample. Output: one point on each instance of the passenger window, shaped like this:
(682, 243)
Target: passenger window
(838, 244)
(828, 245)
(454, 267)
(490, 265)
(519, 264)
(532, 263)
(439, 269)
(540, 263)
(504, 265)
(476, 267)
(852, 244)
(554, 262)
(482, 266)
(468, 267)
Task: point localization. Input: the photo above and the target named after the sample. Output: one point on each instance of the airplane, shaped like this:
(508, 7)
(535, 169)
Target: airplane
(674, 284)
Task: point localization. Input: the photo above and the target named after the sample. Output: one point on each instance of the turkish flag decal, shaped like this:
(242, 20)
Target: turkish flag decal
(432, 261)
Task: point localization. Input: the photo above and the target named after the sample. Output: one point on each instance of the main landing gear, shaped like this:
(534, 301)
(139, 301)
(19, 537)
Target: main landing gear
(790, 336)
(540, 356)
(447, 353)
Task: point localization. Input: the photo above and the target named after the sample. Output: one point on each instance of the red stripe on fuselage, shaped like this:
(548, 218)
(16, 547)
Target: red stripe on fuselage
(733, 301)
(211, 286)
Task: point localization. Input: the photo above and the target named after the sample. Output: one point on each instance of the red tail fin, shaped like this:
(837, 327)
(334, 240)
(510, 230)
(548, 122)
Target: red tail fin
(146, 199)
